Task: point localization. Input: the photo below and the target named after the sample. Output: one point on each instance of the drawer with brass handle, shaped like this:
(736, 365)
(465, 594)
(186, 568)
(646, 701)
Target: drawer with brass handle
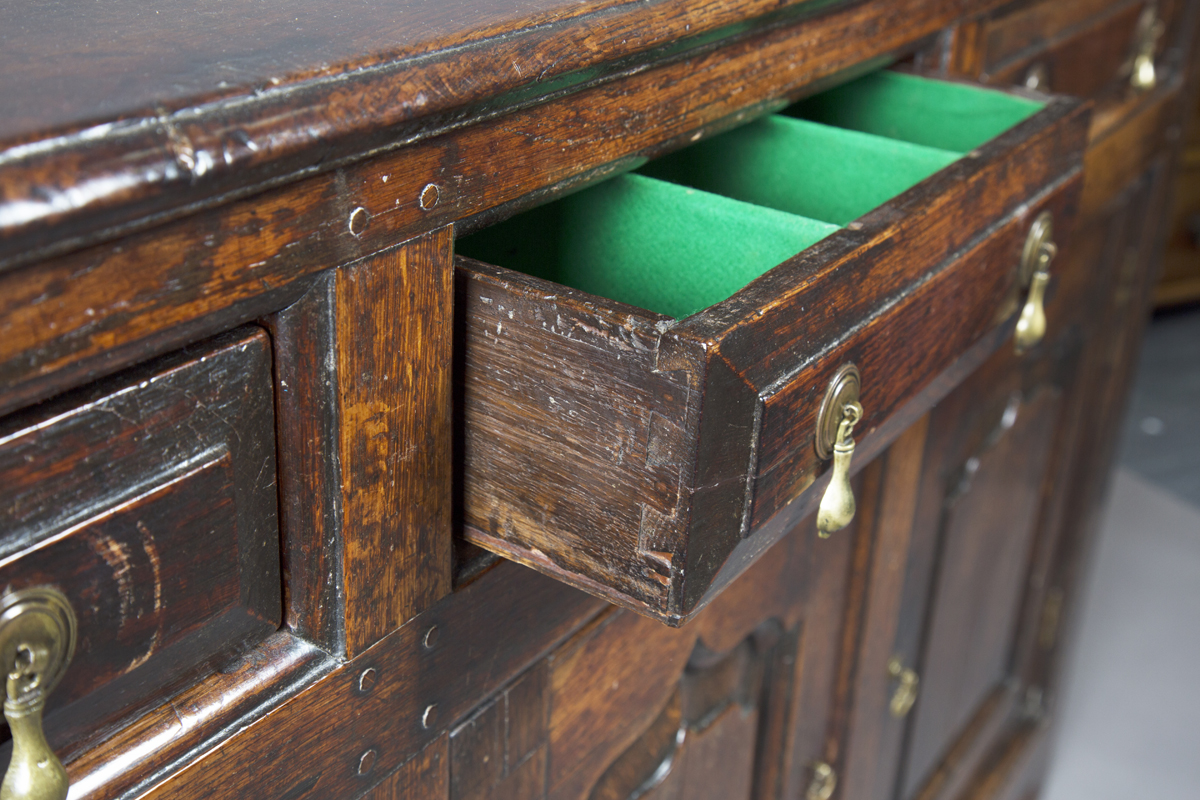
(1107, 57)
(147, 504)
(643, 362)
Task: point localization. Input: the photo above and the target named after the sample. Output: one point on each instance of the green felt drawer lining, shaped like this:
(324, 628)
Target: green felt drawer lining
(649, 243)
(818, 171)
(701, 223)
(948, 116)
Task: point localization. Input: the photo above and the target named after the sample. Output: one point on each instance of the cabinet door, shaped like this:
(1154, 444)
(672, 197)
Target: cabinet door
(626, 707)
(981, 491)
(956, 533)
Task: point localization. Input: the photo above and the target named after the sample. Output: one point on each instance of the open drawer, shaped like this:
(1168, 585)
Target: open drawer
(643, 360)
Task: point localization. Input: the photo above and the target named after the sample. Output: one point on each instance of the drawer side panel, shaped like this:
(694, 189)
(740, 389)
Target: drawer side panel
(572, 442)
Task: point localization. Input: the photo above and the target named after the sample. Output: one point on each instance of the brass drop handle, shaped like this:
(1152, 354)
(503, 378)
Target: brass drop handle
(1035, 273)
(839, 413)
(1031, 326)
(824, 781)
(37, 640)
(907, 686)
(837, 505)
(1037, 78)
(1150, 28)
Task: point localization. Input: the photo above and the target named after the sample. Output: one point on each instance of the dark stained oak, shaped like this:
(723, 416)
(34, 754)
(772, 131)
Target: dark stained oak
(140, 295)
(1012, 32)
(1119, 157)
(157, 112)
(392, 315)
(1091, 62)
(691, 435)
(190, 102)
(501, 750)
(1180, 280)
(149, 500)
(989, 516)
(171, 177)
(424, 775)
(874, 737)
(363, 389)
(537, 614)
(1083, 47)
(167, 737)
(310, 477)
(384, 712)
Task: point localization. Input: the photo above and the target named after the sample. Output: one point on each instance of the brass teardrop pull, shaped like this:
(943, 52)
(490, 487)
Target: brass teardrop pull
(37, 640)
(840, 412)
(1150, 28)
(824, 781)
(837, 505)
(1035, 273)
(907, 683)
(1037, 78)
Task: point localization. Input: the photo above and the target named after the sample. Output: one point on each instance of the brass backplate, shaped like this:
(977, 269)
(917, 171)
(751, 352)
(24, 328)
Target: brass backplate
(842, 389)
(37, 640)
(42, 617)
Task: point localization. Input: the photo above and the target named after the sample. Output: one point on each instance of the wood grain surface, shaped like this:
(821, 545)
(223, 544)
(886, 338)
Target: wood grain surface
(168, 177)
(392, 315)
(196, 719)
(632, 457)
(145, 293)
(150, 501)
(138, 116)
(304, 339)
(990, 516)
(1014, 32)
(1093, 61)
(433, 662)
(874, 737)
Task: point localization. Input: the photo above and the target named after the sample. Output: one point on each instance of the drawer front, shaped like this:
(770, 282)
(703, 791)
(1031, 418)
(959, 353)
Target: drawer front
(1088, 49)
(150, 502)
(643, 456)
(1089, 61)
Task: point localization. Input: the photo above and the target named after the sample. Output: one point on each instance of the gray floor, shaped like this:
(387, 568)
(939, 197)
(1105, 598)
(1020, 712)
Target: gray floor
(1129, 722)
(1162, 431)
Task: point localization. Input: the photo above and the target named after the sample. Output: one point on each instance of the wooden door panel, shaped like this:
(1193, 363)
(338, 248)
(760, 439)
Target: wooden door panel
(628, 707)
(715, 762)
(672, 732)
(989, 513)
(875, 735)
(500, 750)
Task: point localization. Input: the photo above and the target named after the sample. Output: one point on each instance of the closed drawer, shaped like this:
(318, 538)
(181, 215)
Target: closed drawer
(149, 501)
(1088, 49)
(635, 446)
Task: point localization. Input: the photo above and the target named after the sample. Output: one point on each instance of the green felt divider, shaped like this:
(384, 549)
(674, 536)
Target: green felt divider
(649, 243)
(818, 171)
(948, 116)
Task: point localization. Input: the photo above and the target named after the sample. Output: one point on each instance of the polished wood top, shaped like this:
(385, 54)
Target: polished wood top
(125, 112)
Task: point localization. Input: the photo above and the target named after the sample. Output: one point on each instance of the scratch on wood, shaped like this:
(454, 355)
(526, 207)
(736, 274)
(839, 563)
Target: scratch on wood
(156, 567)
(117, 557)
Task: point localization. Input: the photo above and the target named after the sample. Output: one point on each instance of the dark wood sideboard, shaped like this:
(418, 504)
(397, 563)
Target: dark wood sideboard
(344, 506)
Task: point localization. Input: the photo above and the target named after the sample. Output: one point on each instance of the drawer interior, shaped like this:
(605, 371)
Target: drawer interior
(644, 460)
(950, 116)
(649, 243)
(803, 167)
(690, 229)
